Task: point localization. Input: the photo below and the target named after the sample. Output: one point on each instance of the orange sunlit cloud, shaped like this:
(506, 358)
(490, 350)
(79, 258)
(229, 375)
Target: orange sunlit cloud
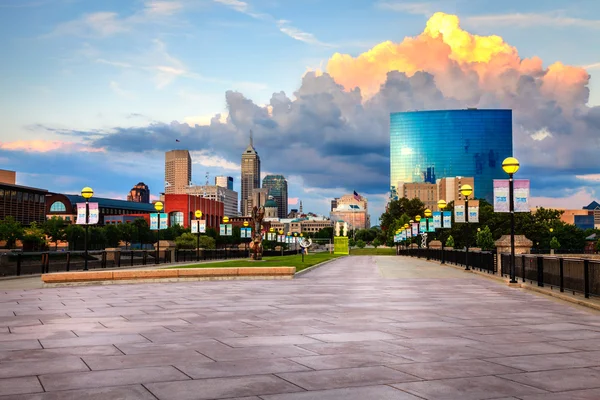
(442, 47)
(44, 146)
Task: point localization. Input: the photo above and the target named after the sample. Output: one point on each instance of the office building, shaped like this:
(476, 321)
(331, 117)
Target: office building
(334, 203)
(25, 204)
(258, 198)
(250, 176)
(139, 193)
(352, 209)
(427, 145)
(181, 208)
(7, 176)
(278, 188)
(178, 171)
(271, 209)
(224, 181)
(229, 198)
(424, 191)
(449, 188)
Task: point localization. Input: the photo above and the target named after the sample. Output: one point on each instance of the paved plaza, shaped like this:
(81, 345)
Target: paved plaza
(358, 328)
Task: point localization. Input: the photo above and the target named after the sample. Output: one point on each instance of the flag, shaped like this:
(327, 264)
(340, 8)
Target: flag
(356, 196)
(177, 140)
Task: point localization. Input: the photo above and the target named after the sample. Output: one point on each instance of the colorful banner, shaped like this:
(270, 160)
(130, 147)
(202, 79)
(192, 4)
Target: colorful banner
(154, 221)
(281, 239)
(415, 229)
(501, 195)
(437, 220)
(81, 214)
(198, 224)
(459, 211)
(430, 225)
(422, 225)
(94, 214)
(225, 229)
(474, 211)
(447, 220)
(521, 195)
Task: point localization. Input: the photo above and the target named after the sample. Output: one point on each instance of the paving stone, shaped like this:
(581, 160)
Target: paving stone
(511, 349)
(437, 353)
(134, 392)
(94, 340)
(29, 384)
(97, 363)
(221, 388)
(226, 353)
(59, 364)
(560, 379)
(223, 369)
(50, 354)
(95, 379)
(472, 388)
(353, 336)
(589, 394)
(453, 369)
(545, 362)
(355, 393)
(349, 360)
(347, 377)
(20, 345)
(267, 340)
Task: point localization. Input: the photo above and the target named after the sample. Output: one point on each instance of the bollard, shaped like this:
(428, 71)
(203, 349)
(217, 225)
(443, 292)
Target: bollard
(68, 261)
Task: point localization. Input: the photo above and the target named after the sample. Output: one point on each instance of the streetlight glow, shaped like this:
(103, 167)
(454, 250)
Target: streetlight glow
(158, 206)
(466, 190)
(87, 192)
(427, 213)
(510, 165)
(441, 204)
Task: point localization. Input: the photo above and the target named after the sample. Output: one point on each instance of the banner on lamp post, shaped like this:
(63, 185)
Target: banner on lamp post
(154, 221)
(415, 229)
(437, 220)
(81, 214)
(474, 211)
(422, 225)
(94, 214)
(447, 219)
(459, 211)
(198, 224)
(521, 195)
(430, 225)
(501, 195)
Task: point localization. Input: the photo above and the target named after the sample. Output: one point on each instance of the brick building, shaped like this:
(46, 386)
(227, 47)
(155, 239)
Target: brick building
(181, 209)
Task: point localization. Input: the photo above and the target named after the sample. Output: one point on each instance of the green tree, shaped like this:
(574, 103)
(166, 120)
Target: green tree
(376, 243)
(75, 236)
(112, 235)
(485, 241)
(54, 228)
(96, 238)
(450, 241)
(325, 233)
(554, 243)
(360, 244)
(597, 247)
(34, 238)
(11, 231)
(126, 233)
(143, 234)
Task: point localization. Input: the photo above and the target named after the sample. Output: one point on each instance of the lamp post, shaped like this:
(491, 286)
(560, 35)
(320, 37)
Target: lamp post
(511, 165)
(442, 205)
(427, 214)
(246, 236)
(281, 245)
(551, 249)
(406, 226)
(198, 215)
(296, 242)
(158, 206)
(466, 191)
(86, 193)
(418, 221)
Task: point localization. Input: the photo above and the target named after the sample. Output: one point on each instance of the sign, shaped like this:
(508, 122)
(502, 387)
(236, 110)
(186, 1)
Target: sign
(195, 224)
(154, 221)
(340, 245)
(501, 195)
(474, 211)
(437, 219)
(225, 229)
(280, 238)
(81, 214)
(246, 233)
(459, 211)
(415, 229)
(94, 214)
(431, 227)
(521, 194)
(423, 226)
(447, 219)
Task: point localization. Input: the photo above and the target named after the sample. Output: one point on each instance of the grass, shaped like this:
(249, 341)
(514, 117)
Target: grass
(310, 259)
(380, 251)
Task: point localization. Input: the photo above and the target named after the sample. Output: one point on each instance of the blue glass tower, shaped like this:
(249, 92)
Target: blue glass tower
(430, 145)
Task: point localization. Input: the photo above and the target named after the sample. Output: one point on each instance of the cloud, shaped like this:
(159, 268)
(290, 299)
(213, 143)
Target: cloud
(115, 87)
(46, 146)
(297, 34)
(208, 159)
(576, 200)
(333, 131)
(292, 201)
(527, 20)
(162, 7)
(417, 8)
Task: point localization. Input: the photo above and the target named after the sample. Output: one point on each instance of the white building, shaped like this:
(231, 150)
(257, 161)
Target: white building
(218, 193)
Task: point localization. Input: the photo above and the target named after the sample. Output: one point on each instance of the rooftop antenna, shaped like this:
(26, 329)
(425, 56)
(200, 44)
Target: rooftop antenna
(251, 138)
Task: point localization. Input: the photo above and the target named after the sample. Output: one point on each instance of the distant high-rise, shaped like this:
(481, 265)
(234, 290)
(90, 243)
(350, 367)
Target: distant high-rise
(278, 189)
(224, 182)
(178, 171)
(139, 193)
(250, 176)
(334, 203)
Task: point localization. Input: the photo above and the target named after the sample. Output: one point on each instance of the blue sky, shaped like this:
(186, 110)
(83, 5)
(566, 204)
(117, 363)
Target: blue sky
(77, 74)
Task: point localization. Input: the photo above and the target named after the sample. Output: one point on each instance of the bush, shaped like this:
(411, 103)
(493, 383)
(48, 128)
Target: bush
(189, 240)
(376, 243)
(351, 242)
(450, 241)
(485, 240)
(554, 243)
(360, 244)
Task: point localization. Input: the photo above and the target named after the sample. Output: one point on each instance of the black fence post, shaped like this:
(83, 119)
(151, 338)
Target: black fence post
(131, 257)
(540, 271)
(103, 259)
(68, 261)
(118, 258)
(523, 266)
(18, 264)
(561, 271)
(586, 278)
(43, 262)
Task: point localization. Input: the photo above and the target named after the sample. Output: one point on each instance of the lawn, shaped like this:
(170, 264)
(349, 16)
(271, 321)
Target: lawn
(380, 251)
(280, 261)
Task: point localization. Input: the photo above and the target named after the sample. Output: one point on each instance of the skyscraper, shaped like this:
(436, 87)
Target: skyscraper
(139, 193)
(429, 145)
(224, 181)
(250, 176)
(178, 171)
(278, 189)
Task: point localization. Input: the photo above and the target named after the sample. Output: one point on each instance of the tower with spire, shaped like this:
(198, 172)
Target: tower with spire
(300, 206)
(250, 176)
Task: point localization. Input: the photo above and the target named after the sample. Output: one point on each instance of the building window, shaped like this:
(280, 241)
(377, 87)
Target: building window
(58, 206)
(176, 218)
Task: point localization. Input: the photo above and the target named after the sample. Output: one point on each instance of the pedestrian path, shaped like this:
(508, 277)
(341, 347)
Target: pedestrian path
(381, 328)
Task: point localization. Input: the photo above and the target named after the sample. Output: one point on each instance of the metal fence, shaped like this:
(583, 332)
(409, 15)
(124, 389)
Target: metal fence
(479, 260)
(577, 275)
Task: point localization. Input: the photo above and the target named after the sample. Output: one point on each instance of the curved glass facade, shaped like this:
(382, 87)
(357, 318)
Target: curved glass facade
(430, 145)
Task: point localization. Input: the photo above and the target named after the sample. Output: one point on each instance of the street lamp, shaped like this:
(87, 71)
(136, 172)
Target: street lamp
(198, 215)
(406, 226)
(427, 214)
(442, 205)
(466, 191)
(511, 165)
(86, 193)
(158, 206)
(281, 245)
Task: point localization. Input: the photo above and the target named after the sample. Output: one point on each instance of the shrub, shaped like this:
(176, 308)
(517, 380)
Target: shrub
(450, 241)
(360, 244)
(554, 243)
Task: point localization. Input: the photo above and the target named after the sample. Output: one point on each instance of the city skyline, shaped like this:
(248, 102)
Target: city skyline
(95, 92)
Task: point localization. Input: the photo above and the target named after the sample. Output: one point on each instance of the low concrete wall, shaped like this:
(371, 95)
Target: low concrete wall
(166, 275)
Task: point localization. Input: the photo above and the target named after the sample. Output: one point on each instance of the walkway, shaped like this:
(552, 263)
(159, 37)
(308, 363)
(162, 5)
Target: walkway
(360, 328)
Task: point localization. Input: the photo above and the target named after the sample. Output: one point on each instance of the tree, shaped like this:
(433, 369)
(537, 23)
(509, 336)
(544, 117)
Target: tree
(325, 233)
(597, 247)
(485, 241)
(112, 235)
(351, 242)
(54, 228)
(360, 244)
(75, 236)
(450, 241)
(34, 238)
(11, 231)
(143, 234)
(126, 233)
(554, 243)
(376, 243)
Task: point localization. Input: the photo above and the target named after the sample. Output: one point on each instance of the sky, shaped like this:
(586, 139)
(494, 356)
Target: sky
(94, 92)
